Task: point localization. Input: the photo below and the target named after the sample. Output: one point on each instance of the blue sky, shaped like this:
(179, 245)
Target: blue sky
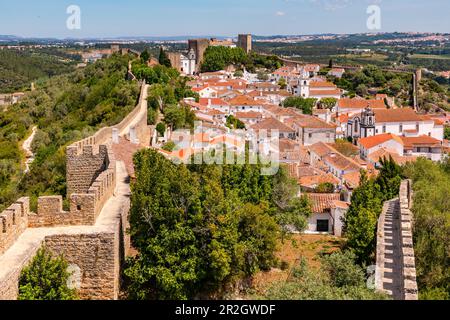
(105, 18)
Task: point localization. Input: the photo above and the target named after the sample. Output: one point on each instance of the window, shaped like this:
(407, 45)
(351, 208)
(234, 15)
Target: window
(79, 207)
(376, 131)
(384, 129)
(417, 127)
(401, 128)
(310, 135)
(322, 225)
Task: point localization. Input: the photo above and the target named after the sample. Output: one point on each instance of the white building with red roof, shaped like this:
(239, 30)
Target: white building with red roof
(402, 122)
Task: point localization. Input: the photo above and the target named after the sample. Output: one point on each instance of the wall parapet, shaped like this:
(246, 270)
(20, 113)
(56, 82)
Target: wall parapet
(13, 222)
(395, 260)
(410, 288)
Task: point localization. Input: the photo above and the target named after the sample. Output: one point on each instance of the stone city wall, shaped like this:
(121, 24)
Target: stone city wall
(13, 222)
(410, 289)
(404, 241)
(94, 241)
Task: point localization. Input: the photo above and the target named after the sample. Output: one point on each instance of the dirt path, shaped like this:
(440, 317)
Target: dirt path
(26, 146)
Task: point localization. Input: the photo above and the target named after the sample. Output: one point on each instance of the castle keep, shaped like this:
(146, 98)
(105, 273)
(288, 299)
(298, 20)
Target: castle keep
(92, 233)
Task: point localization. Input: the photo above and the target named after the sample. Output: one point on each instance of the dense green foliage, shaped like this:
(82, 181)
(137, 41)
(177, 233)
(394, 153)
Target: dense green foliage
(398, 85)
(200, 227)
(306, 105)
(65, 109)
(234, 123)
(45, 278)
(367, 200)
(327, 103)
(218, 58)
(338, 279)
(19, 68)
(431, 209)
(164, 59)
(167, 89)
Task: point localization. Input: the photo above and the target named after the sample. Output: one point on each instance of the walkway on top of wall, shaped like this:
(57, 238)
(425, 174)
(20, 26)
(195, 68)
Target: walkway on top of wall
(143, 110)
(392, 251)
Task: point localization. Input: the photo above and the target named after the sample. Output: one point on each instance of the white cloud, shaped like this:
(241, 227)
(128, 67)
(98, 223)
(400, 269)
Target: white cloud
(280, 13)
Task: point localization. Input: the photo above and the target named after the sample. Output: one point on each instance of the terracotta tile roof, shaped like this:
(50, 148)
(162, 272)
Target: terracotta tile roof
(288, 145)
(314, 180)
(214, 112)
(374, 141)
(352, 179)
(384, 153)
(396, 115)
(214, 102)
(333, 92)
(411, 142)
(244, 101)
(272, 124)
(437, 121)
(333, 157)
(341, 162)
(360, 103)
(322, 202)
(322, 84)
(307, 121)
(321, 149)
(248, 115)
(340, 204)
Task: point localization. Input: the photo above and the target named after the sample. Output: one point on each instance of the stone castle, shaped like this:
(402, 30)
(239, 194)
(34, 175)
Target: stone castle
(92, 233)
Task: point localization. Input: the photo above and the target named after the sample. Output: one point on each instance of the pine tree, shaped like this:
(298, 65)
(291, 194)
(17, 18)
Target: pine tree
(145, 55)
(164, 59)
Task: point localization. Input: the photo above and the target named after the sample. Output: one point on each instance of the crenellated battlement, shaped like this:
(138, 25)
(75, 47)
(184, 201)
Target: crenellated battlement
(94, 238)
(395, 266)
(410, 288)
(13, 222)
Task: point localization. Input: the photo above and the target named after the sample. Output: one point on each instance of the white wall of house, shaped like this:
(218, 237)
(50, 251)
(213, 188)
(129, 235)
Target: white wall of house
(391, 145)
(424, 128)
(312, 222)
(338, 215)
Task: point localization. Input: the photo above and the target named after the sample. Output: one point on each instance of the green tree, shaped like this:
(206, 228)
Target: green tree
(310, 284)
(282, 83)
(145, 55)
(361, 219)
(328, 103)
(197, 228)
(234, 123)
(431, 208)
(164, 59)
(291, 210)
(389, 178)
(325, 187)
(306, 105)
(45, 278)
(161, 128)
(343, 270)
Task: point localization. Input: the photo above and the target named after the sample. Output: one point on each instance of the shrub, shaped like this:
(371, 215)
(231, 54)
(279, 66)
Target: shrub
(45, 278)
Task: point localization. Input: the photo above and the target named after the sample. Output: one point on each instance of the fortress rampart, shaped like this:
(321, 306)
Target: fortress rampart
(395, 271)
(92, 234)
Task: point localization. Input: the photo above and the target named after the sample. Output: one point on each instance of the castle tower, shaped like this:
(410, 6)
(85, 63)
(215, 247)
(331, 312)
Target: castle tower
(367, 123)
(192, 57)
(199, 47)
(245, 42)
